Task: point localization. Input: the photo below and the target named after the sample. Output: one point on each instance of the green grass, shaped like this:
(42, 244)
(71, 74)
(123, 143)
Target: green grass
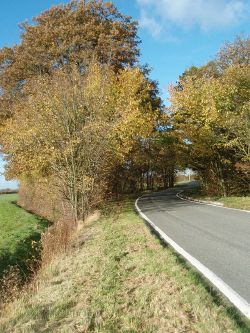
(241, 202)
(19, 230)
(235, 202)
(118, 277)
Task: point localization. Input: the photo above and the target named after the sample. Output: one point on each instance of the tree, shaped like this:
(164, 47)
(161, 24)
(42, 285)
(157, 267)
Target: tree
(211, 117)
(66, 35)
(235, 53)
(150, 165)
(76, 128)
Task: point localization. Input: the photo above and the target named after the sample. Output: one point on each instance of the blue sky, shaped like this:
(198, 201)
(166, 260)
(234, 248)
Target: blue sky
(175, 34)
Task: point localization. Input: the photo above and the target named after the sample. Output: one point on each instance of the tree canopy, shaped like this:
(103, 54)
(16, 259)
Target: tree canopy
(65, 35)
(211, 114)
(82, 121)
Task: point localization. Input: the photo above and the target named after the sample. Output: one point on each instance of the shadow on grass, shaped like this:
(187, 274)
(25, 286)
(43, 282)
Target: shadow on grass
(26, 253)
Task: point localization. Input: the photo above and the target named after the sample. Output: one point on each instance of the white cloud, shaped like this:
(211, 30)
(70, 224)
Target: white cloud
(159, 15)
(151, 24)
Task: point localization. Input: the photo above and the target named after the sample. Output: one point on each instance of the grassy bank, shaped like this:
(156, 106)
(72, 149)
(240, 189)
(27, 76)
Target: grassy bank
(117, 277)
(19, 230)
(234, 202)
(242, 202)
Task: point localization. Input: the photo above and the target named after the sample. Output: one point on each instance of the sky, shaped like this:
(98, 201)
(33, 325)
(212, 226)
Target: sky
(175, 34)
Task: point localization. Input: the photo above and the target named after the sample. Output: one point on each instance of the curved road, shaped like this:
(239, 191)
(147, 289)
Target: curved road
(216, 237)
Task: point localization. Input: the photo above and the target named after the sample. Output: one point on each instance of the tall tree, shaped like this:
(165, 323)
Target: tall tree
(71, 34)
(76, 128)
(211, 117)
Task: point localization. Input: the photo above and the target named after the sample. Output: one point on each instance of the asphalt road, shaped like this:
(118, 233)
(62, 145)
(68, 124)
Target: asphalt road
(219, 238)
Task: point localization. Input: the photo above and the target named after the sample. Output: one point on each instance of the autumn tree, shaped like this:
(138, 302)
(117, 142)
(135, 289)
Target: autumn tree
(150, 165)
(211, 117)
(74, 128)
(80, 117)
(65, 35)
(234, 53)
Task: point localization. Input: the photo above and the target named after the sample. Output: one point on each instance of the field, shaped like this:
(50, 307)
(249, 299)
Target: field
(117, 277)
(19, 232)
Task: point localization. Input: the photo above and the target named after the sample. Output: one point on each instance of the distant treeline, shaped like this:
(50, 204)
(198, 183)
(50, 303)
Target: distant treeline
(8, 191)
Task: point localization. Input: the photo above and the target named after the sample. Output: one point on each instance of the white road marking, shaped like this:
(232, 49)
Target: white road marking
(209, 204)
(239, 302)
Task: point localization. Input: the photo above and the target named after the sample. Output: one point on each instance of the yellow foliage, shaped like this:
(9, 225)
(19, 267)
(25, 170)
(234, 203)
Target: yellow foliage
(77, 127)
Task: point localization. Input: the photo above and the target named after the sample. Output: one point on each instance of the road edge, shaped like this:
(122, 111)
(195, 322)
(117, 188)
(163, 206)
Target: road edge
(211, 203)
(208, 203)
(240, 303)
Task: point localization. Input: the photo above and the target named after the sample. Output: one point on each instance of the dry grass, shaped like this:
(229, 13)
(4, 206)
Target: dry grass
(11, 285)
(56, 240)
(117, 277)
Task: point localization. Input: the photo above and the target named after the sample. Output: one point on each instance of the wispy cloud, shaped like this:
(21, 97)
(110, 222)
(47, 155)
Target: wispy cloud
(159, 15)
(151, 24)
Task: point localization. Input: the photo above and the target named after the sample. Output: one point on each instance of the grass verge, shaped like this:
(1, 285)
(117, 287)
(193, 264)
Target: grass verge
(242, 202)
(117, 277)
(19, 232)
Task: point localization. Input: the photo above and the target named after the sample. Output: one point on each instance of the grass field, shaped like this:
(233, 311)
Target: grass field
(118, 277)
(19, 230)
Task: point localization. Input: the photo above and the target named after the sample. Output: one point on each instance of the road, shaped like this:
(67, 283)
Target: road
(216, 237)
